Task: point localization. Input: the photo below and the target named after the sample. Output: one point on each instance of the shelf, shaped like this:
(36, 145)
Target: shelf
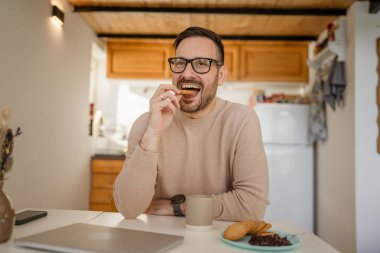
(333, 48)
(321, 57)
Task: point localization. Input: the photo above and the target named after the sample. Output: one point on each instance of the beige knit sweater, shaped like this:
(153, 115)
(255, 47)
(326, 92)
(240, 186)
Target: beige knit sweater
(221, 154)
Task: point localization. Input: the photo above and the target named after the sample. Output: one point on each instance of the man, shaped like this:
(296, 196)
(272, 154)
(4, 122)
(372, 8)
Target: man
(192, 142)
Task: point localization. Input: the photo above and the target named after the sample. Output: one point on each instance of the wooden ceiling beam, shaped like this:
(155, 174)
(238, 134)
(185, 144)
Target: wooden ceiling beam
(217, 10)
(224, 37)
(374, 6)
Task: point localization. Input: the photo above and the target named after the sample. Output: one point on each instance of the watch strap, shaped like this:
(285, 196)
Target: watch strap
(176, 202)
(177, 209)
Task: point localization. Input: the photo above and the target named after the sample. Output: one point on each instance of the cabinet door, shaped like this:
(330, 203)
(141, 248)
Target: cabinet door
(138, 60)
(271, 62)
(231, 60)
(101, 196)
(103, 175)
(106, 166)
(101, 207)
(103, 180)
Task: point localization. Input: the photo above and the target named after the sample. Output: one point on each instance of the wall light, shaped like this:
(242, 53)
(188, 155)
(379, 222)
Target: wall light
(57, 15)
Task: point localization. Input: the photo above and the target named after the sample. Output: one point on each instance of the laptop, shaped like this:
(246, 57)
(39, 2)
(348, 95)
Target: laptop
(88, 238)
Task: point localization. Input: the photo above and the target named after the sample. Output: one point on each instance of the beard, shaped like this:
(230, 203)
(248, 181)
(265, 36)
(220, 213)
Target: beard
(206, 96)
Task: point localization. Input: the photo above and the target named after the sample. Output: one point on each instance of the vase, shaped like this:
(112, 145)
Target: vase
(7, 214)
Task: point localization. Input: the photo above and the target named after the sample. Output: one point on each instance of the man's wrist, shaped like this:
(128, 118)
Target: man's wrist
(149, 141)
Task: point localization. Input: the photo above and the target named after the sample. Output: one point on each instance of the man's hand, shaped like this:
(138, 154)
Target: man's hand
(162, 207)
(163, 105)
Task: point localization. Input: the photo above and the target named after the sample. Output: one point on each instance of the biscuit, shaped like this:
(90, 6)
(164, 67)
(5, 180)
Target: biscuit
(266, 227)
(236, 231)
(265, 234)
(251, 224)
(186, 92)
(260, 227)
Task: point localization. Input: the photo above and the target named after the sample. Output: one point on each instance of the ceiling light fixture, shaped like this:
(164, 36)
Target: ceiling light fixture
(57, 15)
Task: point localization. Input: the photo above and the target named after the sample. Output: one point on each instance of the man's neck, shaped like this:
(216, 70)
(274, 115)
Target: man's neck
(202, 113)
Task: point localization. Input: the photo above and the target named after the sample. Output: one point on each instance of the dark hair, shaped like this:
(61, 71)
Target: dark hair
(201, 32)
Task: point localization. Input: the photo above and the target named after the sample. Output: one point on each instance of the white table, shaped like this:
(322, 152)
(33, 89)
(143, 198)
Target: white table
(194, 242)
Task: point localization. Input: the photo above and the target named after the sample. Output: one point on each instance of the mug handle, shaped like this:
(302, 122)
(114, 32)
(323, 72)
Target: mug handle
(220, 203)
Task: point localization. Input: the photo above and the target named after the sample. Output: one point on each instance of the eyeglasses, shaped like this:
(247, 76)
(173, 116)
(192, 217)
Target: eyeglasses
(199, 65)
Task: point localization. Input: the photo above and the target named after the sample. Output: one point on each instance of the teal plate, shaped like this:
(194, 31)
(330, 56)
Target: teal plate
(244, 244)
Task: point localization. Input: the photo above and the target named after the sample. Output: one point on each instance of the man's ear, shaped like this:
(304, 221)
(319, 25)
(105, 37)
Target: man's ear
(223, 72)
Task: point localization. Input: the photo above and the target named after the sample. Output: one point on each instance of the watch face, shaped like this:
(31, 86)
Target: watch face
(179, 198)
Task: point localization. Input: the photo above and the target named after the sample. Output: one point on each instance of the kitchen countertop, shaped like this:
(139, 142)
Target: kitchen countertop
(109, 156)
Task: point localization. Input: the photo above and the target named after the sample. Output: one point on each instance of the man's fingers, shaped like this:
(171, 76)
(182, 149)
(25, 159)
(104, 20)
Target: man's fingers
(170, 106)
(169, 96)
(164, 88)
(166, 104)
(166, 92)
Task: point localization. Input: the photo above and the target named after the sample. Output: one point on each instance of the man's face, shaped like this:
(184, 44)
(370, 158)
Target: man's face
(204, 85)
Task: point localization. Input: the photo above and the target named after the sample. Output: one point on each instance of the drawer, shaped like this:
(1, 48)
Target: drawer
(107, 166)
(100, 207)
(102, 196)
(103, 180)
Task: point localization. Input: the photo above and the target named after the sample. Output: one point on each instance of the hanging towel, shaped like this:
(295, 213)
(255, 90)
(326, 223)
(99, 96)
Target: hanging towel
(317, 113)
(335, 84)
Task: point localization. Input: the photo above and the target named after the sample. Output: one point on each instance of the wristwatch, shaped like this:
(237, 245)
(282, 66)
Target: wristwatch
(176, 204)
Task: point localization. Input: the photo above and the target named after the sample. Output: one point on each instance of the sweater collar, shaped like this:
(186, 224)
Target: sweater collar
(218, 105)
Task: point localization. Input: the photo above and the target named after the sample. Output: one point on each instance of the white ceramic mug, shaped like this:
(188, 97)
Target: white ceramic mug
(200, 212)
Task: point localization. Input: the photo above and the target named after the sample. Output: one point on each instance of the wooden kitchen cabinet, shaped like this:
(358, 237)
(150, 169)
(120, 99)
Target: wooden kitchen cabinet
(139, 59)
(231, 60)
(266, 61)
(104, 171)
(277, 62)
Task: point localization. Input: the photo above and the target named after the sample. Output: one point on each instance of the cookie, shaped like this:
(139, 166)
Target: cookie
(260, 227)
(236, 231)
(265, 233)
(251, 224)
(186, 92)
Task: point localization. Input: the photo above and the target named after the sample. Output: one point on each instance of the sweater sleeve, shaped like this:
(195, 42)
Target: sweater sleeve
(248, 197)
(134, 186)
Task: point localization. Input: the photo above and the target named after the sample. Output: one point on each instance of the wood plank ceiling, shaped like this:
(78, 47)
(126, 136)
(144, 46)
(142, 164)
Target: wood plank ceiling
(298, 19)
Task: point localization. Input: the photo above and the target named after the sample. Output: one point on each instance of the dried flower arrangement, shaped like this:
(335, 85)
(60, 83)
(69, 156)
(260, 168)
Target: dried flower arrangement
(6, 143)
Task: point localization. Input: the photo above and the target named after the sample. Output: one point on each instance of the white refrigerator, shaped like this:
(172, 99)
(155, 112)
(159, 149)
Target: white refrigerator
(290, 162)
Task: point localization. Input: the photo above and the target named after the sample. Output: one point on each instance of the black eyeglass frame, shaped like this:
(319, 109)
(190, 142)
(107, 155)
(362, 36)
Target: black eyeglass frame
(217, 63)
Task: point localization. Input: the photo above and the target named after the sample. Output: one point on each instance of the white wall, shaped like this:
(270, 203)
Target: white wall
(335, 197)
(367, 162)
(348, 166)
(335, 172)
(44, 79)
